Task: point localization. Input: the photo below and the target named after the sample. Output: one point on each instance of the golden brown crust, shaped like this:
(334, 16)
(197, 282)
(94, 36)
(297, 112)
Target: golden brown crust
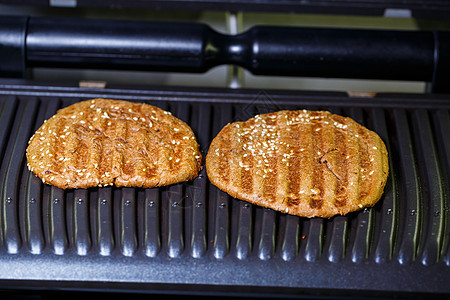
(305, 163)
(103, 142)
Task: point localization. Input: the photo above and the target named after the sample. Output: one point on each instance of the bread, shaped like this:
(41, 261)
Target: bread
(305, 163)
(103, 142)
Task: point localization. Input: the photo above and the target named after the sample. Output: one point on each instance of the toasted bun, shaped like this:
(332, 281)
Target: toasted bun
(104, 142)
(305, 163)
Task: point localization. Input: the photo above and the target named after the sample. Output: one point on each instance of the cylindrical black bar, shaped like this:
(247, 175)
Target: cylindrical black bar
(118, 45)
(346, 53)
(188, 47)
(12, 46)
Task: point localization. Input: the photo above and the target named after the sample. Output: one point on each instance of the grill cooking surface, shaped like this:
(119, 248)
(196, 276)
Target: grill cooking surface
(193, 237)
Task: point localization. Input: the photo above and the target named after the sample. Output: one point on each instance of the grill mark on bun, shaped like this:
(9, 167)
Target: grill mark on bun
(316, 191)
(341, 160)
(291, 158)
(247, 162)
(327, 161)
(270, 163)
(225, 168)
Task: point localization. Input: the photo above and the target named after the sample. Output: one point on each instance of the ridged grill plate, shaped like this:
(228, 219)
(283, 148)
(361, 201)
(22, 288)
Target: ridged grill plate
(193, 237)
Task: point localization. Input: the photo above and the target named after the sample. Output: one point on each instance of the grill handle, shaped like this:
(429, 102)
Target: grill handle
(263, 50)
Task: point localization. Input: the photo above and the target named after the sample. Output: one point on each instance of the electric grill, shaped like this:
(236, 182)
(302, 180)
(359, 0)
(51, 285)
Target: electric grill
(191, 238)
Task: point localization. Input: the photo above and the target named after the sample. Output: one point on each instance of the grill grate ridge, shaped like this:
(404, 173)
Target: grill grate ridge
(104, 237)
(432, 189)
(409, 192)
(11, 172)
(442, 138)
(386, 231)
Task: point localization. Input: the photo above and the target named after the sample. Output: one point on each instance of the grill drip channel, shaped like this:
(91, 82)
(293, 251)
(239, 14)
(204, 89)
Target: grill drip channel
(194, 233)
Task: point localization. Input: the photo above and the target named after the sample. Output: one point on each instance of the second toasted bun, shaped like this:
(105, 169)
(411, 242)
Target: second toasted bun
(305, 163)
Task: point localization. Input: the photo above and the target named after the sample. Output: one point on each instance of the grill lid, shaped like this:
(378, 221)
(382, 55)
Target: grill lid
(192, 237)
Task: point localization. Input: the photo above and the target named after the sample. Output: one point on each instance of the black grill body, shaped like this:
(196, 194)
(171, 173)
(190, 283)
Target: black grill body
(193, 238)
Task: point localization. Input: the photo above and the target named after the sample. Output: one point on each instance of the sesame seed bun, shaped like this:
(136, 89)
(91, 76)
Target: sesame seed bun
(305, 163)
(102, 142)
